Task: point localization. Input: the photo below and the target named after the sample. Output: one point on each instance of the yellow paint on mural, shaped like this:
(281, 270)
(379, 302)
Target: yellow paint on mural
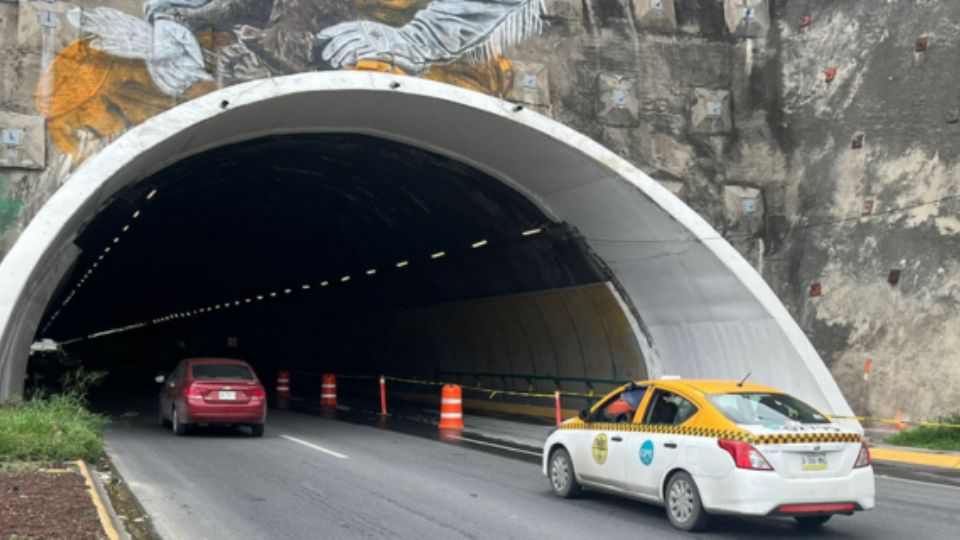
(492, 77)
(84, 90)
(392, 12)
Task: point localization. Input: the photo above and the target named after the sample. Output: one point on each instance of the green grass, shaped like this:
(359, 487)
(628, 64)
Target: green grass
(934, 438)
(55, 427)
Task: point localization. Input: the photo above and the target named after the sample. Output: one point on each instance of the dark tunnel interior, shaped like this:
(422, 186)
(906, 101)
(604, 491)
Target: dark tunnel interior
(335, 252)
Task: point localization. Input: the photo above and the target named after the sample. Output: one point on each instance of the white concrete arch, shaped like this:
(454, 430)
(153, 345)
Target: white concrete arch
(705, 310)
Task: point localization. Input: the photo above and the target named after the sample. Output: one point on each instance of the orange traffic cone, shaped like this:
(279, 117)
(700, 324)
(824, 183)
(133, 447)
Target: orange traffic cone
(328, 390)
(451, 407)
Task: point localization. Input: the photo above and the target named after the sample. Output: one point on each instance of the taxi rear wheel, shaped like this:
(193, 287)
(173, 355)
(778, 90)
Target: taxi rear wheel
(682, 501)
(562, 478)
(811, 522)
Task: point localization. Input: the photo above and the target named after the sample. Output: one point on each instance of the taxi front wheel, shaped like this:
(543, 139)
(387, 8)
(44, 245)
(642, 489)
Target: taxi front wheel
(683, 505)
(562, 479)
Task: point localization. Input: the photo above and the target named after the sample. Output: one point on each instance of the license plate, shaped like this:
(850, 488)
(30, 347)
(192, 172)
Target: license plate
(814, 461)
(227, 395)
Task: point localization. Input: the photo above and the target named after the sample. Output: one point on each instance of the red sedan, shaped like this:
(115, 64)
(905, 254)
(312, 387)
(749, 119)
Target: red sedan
(206, 391)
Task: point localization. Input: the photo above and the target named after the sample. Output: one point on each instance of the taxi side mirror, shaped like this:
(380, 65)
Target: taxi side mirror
(159, 379)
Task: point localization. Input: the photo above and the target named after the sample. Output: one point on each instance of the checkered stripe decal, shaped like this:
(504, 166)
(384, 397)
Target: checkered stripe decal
(791, 438)
(735, 435)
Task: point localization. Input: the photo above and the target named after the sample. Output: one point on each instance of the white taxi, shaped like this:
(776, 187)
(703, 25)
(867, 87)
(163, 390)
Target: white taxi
(702, 447)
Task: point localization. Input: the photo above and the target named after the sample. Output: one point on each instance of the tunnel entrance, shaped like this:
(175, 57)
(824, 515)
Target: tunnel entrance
(335, 252)
(694, 306)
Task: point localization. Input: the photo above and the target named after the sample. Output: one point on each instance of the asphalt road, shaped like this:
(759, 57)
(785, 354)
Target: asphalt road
(311, 477)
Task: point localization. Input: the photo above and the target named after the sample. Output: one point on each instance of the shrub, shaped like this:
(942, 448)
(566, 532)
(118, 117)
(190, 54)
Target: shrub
(937, 438)
(55, 427)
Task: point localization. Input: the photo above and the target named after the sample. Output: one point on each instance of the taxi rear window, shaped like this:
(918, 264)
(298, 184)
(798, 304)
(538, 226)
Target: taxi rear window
(765, 408)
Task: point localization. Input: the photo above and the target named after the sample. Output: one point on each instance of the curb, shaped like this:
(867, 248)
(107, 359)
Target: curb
(108, 518)
(928, 458)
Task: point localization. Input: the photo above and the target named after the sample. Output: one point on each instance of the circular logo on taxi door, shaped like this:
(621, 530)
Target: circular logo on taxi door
(646, 452)
(600, 449)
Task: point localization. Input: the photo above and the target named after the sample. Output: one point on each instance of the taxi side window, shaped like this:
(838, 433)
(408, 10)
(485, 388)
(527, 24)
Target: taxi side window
(669, 409)
(620, 408)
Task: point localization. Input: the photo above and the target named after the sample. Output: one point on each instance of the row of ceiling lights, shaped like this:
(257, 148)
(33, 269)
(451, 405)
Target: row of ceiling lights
(225, 305)
(306, 286)
(93, 266)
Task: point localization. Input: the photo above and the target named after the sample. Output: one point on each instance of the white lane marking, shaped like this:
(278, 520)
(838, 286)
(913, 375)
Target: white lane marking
(918, 482)
(315, 447)
(495, 445)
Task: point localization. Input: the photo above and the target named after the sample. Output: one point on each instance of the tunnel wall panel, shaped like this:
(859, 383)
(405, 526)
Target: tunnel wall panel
(528, 334)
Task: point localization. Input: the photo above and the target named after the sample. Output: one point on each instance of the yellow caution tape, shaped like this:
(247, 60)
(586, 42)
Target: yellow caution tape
(492, 391)
(894, 421)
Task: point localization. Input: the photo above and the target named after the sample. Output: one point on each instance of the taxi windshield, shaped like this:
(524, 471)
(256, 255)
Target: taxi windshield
(765, 408)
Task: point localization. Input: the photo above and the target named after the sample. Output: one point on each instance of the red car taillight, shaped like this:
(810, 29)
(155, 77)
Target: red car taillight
(258, 392)
(863, 459)
(192, 392)
(745, 456)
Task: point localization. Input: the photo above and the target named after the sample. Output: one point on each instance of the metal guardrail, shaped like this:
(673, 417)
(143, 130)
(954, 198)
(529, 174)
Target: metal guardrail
(556, 379)
(475, 377)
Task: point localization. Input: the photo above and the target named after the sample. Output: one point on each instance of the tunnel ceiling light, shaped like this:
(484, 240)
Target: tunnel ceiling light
(287, 291)
(106, 249)
(116, 239)
(273, 294)
(324, 283)
(344, 279)
(100, 258)
(371, 271)
(259, 297)
(152, 193)
(236, 303)
(126, 228)
(136, 214)
(531, 232)
(401, 264)
(438, 254)
(305, 286)
(247, 300)
(478, 244)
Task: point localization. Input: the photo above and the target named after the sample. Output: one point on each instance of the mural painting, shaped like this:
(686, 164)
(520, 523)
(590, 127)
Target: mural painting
(127, 68)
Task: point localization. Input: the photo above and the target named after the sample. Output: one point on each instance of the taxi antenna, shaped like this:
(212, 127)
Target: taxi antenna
(744, 379)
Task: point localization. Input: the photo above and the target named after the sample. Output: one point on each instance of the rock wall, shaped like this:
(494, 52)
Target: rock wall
(819, 137)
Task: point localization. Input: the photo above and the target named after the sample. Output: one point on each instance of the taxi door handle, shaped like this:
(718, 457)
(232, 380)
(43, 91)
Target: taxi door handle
(616, 439)
(670, 444)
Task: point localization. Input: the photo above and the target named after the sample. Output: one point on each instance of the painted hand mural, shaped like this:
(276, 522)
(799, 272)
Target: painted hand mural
(171, 52)
(129, 68)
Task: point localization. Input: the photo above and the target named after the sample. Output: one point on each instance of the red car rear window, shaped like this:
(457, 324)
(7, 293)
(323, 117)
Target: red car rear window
(222, 371)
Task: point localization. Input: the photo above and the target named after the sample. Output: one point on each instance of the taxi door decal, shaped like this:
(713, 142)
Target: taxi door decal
(646, 452)
(600, 449)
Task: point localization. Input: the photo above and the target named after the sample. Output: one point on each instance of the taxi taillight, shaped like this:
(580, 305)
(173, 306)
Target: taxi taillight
(745, 456)
(863, 458)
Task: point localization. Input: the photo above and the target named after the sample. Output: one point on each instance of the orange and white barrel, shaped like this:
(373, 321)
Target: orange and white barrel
(283, 389)
(283, 384)
(451, 407)
(328, 390)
